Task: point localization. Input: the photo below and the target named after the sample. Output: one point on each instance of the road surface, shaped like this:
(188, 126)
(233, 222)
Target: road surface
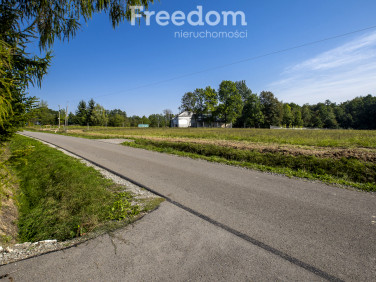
(219, 223)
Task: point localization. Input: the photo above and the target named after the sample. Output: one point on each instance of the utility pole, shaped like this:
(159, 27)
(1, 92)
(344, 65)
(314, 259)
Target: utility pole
(66, 119)
(59, 117)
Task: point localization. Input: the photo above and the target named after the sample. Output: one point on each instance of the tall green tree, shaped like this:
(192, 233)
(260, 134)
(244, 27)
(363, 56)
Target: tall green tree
(98, 116)
(231, 101)
(168, 117)
(330, 120)
(117, 118)
(252, 115)
(134, 121)
(210, 99)
(243, 90)
(90, 112)
(298, 121)
(199, 108)
(145, 120)
(81, 113)
(17, 68)
(43, 115)
(72, 119)
(316, 120)
(272, 109)
(211, 102)
(288, 117)
(24, 22)
(306, 115)
(157, 120)
(188, 102)
(206, 101)
(324, 116)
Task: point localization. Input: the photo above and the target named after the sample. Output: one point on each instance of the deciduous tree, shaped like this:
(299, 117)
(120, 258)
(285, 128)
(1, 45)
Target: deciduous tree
(287, 116)
(168, 117)
(244, 91)
(232, 103)
(188, 102)
(272, 109)
(98, 116)
(252, 115)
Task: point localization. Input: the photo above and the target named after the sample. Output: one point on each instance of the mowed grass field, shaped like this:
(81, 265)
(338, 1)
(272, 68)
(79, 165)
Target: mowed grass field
(320, 138)
(340, 157)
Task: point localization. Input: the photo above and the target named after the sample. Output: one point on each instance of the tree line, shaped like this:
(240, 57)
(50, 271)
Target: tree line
(232, 103)
(94, 114)
(235, 103)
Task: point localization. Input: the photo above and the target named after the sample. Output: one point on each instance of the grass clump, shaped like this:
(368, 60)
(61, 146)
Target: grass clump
(346, 171)
(122, 207)
(61, 198)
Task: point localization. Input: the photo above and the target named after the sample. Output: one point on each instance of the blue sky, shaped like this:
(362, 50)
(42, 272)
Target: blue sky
(132, 67)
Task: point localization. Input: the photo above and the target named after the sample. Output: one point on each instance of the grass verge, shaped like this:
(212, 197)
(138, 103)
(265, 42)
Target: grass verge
(61, 198)
(8, 203)
(344, 171)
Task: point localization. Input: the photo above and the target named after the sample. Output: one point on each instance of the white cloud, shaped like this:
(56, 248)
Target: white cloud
(339, 74)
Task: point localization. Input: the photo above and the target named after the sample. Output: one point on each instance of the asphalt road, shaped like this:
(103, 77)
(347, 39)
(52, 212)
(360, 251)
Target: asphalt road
(219, 223)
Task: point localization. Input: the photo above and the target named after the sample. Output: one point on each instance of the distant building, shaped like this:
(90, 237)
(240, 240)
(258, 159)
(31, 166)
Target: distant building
(143, 125)
(189, 119)
(182, 120)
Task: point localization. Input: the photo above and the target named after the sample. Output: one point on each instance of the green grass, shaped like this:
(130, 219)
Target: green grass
(321, 138)
(4, 174)
(346, 171)
(350, 172)
(8, 204)
(61, 198)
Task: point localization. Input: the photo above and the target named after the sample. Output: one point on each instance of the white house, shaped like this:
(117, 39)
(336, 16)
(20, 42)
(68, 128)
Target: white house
(189, 119)
(183, 120)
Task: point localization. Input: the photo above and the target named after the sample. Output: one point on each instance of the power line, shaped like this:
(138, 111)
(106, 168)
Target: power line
(239, 62)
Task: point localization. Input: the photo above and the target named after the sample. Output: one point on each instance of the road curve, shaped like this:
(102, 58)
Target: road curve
(327, 231)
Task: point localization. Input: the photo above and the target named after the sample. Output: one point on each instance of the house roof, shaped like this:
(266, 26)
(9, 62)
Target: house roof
(186, 114)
